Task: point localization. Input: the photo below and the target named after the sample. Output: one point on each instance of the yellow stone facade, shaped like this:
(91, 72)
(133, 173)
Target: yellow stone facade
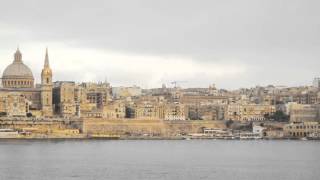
(18, 88)
(46, 88)
(302, 129)
(249, 112)
(13, 104)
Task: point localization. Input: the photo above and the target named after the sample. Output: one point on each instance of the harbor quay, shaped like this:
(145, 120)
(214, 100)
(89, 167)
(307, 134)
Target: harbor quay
(29, 128)
(101, 128)
(98, 128)
(147, 128)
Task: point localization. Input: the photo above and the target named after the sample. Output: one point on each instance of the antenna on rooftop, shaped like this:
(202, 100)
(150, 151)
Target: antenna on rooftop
(177, 82)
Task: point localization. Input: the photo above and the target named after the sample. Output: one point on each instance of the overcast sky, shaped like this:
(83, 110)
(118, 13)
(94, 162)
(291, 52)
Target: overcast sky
(231, 43)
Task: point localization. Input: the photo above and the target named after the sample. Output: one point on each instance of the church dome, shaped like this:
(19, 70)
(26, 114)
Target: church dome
(16, 70)
(17, 74)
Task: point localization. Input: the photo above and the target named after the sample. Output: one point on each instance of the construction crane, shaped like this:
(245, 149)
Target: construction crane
(177, 82)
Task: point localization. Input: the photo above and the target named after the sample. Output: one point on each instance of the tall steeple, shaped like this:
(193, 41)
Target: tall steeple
(46, 60)
(46, 74)
(46, 88)
(17, 56)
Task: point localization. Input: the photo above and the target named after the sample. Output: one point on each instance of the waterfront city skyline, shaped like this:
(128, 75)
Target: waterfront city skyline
(234, 45)
(118, 89)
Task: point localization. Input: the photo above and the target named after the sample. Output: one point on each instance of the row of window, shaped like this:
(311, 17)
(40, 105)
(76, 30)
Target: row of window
(17, 83)
(300, 134)
(304, 127)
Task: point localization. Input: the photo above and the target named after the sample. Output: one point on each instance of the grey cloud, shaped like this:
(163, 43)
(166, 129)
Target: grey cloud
(275, 38)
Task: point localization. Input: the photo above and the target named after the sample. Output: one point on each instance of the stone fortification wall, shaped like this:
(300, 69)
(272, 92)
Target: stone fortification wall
(39, 125)
(143, 127)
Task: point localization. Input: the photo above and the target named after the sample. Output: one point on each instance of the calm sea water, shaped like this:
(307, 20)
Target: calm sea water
(199, 159)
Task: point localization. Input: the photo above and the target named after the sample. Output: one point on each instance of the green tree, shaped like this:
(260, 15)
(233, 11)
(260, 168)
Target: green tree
(280, 116)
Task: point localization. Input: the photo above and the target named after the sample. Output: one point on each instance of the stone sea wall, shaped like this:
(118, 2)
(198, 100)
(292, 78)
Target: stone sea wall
(123, 127)
(45, 126)
(146, 127)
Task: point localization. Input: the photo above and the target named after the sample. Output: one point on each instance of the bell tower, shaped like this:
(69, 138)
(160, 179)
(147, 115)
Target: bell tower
(46, 88)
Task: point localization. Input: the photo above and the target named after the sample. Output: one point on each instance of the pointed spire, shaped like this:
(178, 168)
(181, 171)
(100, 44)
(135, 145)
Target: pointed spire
(46, 61)
(17, 56)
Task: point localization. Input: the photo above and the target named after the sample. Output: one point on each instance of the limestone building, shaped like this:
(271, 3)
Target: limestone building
(18, 94)
(302, 129)
(64, 98)
(84, 100)
(174, 111)
(114, 110)
(249, 112)
(304, 112)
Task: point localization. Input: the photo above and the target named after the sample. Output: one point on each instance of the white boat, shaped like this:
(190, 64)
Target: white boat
(8, 133)
(250, 136)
